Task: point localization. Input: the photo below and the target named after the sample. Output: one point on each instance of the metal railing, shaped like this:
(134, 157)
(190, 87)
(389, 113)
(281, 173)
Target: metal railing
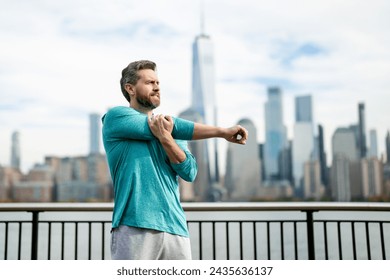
(218, 230)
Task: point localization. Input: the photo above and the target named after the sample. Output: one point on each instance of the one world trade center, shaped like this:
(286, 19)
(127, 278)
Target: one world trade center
(203, 98)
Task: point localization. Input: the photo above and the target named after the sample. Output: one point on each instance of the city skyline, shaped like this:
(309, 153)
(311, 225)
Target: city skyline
(190, 114)
(60, 62)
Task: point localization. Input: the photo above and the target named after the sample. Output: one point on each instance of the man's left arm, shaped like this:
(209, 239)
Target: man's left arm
(162, 127)
(235, 134)
(182, 161)
(187, 130)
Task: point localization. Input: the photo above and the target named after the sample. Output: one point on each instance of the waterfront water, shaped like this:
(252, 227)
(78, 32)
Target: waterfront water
(99, 247)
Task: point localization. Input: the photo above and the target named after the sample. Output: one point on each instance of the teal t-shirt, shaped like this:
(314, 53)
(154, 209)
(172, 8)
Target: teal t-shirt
(146, 192)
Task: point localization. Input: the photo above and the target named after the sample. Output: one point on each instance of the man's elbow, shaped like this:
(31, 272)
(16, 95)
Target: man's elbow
(189, 176)
(192, 175)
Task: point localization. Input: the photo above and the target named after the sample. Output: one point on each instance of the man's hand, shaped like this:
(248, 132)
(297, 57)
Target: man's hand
(168, 123)
(161, 126)
(236, 134)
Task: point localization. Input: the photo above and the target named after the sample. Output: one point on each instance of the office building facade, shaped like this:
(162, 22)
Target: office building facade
(373, 148)
(94, 133)
(362, 139)
(303, 143)
(15, 150)
(243, 166)
(203, 96)
(275, 133)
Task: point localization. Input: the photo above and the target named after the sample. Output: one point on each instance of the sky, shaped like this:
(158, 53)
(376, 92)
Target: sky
(61, 60)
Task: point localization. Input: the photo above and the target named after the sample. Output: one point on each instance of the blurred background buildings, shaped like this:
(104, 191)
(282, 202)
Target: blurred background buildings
(278, 169)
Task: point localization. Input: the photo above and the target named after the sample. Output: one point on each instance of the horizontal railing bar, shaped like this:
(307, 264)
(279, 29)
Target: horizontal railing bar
(285, 206)
(56, 207)
(58, 221)
(207, 221)
(246, 221)
(289, 221)
(16, 221)
(352, 221)
(207, 206)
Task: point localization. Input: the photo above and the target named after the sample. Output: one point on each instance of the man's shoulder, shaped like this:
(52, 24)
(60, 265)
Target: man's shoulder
(121, 110)
(117, 111)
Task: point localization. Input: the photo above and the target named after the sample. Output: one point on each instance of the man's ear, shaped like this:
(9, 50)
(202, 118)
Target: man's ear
(130, 89)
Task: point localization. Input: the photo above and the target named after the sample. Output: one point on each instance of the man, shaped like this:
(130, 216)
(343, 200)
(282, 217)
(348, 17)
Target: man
(146, 154)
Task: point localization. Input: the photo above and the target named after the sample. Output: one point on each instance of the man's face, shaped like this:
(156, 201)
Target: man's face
(147, 89)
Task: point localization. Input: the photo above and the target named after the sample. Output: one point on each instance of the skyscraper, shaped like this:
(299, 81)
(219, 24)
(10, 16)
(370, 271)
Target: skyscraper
(362, 142)
(388, 147)
(94, 133)
(303, 142)
(15, 150)
(203, 95)
(285, 163)
(275, 133)
(322, 156)
(303, 109)
(243, 170)
(312, 185)
(343, 143)
(345, 154)
(340, 178)
(372, 177)
(373, 151)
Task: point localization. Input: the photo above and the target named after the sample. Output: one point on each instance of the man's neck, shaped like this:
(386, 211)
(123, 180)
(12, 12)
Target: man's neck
(143, 110)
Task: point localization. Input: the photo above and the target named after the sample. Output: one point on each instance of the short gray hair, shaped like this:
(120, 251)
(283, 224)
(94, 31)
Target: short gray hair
(130, 74)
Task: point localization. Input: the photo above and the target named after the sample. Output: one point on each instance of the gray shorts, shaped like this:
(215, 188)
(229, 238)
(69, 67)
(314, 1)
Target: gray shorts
(131, 243)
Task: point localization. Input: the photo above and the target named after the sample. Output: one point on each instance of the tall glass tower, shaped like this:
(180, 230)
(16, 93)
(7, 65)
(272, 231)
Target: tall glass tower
(362, 141)
(275, 133)
(388, 147)
(203, 95)
(303, 109)
(303, 143)
(15, 150)
(344, 152)
(322, 156)
(343, 140)
(241, 183)
(373, 151)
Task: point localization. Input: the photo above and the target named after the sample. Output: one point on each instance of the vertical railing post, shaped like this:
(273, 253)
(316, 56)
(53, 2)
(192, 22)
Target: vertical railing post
(214, 241)
(241, 243)
(200, 241)
(310, 234)
(34, 235)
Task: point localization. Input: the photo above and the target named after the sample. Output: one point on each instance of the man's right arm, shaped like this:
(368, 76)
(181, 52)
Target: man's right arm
(121, 123)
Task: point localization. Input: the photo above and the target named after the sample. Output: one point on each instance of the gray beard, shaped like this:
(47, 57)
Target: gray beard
(146, 103)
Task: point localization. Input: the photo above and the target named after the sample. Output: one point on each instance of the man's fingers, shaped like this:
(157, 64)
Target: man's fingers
(161, 122)
(242, 135)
